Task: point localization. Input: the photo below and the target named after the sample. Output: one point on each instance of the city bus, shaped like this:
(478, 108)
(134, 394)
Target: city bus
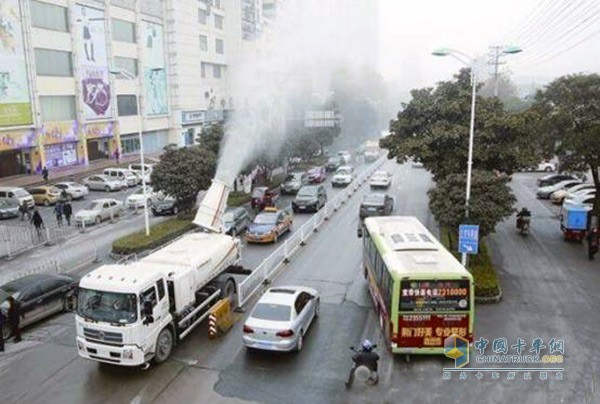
(420, 291)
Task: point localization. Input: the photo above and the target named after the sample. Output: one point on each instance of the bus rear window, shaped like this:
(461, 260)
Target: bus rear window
(431, 296)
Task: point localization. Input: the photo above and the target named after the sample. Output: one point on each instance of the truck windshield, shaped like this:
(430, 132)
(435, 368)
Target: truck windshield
(110, 307)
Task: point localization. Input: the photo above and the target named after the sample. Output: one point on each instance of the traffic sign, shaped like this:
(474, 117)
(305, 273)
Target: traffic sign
(468, 238)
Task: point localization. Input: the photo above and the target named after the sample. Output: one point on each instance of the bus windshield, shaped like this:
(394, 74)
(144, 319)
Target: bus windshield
(431, 296)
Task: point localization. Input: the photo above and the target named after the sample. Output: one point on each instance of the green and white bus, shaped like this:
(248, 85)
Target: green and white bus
(420, 291)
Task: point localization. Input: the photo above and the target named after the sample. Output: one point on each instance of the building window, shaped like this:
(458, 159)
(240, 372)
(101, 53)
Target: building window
(128, 64)
(49, 16)
(130, 144)
(218, 22)
(127, 105)
(202, 16)
(203, 43)
(219, 46)
(53, 63)
(123, 31)
(58, 108)
(217, 71)
(203, 70)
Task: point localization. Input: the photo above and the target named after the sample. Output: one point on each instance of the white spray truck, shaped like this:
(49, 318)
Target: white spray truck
(135, 313)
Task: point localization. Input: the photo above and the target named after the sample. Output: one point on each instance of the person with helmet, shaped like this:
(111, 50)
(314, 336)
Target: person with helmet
(523, 219)
(365, 357)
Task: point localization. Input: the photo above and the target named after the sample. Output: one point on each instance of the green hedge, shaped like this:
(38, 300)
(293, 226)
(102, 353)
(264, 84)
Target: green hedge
(480, 266)
(238, 198)
(160, 234)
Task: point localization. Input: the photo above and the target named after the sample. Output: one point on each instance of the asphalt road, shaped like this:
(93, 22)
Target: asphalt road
(550, 291)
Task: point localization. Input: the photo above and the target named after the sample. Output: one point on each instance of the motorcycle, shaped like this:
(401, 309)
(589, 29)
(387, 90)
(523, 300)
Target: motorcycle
(523, 224)
(364, 367)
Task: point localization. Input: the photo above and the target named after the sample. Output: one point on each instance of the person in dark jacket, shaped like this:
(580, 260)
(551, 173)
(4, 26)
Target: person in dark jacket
(2, 320)
(38, 222)
(14, 318)
(58, 211)
(45, 173)
(68, 211)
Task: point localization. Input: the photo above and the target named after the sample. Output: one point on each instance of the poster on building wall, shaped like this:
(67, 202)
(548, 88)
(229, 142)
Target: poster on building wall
(15, 106)
(59, 132)
(93, 62)
(155, 73)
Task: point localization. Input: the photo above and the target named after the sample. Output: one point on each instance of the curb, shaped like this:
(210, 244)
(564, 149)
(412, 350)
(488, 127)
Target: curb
(490, 299)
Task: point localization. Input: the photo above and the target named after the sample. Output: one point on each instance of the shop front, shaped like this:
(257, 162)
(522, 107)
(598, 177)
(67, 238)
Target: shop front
(61, 155)
(154, 142)
(100, 140)
(17, 153)
(59, 141)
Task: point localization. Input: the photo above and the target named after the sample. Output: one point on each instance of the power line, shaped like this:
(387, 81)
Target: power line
(542, 15)
(517, 30)
(573, 46)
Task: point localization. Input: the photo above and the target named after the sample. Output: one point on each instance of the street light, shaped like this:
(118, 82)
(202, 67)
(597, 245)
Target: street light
(129, 76)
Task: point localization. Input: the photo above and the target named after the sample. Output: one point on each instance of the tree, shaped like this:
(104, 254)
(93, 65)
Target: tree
(211, 136)
(433, 128)
(184, 172)
(568, 118)
(491, 202)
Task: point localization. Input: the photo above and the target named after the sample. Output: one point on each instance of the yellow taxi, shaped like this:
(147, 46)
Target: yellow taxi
(45, 195)
(268, 225)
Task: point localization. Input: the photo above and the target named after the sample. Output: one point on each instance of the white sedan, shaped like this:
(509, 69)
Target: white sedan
(343, 176)
(98, 211)
(101, 182)
(380, 179)
(584, 196)
(547, 191)
(558, 196)
(281, 318)
(136, 200)
(73, 189)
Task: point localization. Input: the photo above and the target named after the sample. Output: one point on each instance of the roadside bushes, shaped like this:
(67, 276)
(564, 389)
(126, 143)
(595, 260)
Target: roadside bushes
(160, 234)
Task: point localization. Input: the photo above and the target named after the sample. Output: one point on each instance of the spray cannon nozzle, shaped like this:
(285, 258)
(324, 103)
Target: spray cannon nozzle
(212, 206)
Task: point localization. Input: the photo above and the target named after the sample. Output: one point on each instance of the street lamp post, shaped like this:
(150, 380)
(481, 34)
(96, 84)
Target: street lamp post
(130, 76)
(470, 62)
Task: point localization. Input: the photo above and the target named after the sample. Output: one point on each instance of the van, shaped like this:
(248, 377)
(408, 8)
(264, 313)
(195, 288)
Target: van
(137, 168)
(124, 175)
(18, 195)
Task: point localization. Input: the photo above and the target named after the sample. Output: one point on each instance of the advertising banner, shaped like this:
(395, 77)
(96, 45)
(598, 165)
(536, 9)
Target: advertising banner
(17, 140)
(155, 73)
(59, 132)
(98, 130)
(15, 106)
(93, 62)
(430, 330)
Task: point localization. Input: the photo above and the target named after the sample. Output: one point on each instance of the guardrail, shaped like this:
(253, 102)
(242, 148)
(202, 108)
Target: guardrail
(267, 269)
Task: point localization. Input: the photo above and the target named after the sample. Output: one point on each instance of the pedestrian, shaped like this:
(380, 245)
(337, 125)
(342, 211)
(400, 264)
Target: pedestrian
(2, 330)
(117, 155)
(58, 211)
(28, 167)
(38, 222)
(14, 318)
(68, 211)
(64, 196)
(45, 173)
(24, 209)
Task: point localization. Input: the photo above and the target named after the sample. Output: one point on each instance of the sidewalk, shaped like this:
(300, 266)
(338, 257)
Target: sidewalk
(74, 172)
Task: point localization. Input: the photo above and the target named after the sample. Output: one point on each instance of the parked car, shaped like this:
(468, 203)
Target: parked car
(316, 175)
(547, 166)
(371, 155)
(294, 182)
(137, 168)
(309, 197)
(40, 296)
(127, 177)
(136, 200)
(380, 179)
(103, 183)
(74, 190)
(45, 195)
(333, 163)
(280, 319)
(343, 176)
(552, 179)
(99, 210)
(545, 192)
(579, 197)
(263, 197)
(168, 205)
(346, 156)
(18, 195)
(235, 221)
(376, 204)
(268, 226)
(8, 209)
(558, 196)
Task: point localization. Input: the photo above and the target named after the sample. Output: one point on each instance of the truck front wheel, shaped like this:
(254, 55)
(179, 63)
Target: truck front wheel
(164, 346)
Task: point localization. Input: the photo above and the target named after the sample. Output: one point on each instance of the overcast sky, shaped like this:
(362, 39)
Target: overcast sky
(410, 30)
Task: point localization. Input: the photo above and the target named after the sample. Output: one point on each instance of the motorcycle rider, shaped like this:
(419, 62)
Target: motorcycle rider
(523, 216)
(365, 357)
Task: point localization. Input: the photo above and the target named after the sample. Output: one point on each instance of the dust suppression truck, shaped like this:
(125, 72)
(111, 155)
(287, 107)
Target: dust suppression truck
(135, 313)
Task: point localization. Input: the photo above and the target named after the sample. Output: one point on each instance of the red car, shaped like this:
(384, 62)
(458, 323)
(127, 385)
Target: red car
(317, 174)
(263, 197)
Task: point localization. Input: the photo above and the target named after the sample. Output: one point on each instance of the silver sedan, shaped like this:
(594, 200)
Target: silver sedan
(281, 318)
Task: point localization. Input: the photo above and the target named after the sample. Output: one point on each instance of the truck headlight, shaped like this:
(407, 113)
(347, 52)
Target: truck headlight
(128, 353)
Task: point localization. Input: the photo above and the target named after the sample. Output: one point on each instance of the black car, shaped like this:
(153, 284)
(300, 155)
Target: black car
(376, 204)
(40, 296)
(235, 221)
(309, 197)
(169, 206)
(333, 163)
(8, 209)
(554, 179)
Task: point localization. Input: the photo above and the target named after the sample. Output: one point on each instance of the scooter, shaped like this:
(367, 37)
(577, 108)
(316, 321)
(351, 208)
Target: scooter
(523, 224)
(364, 368)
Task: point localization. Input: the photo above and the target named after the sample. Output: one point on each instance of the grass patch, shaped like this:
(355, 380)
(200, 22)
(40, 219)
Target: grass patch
(480, 266)
(238, 198)
(160, 234)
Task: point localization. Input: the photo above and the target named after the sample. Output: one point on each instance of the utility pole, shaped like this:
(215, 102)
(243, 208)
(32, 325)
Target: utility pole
(496, 52)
